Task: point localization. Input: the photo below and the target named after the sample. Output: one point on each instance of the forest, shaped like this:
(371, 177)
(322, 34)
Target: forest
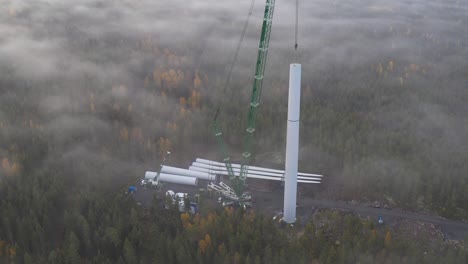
(93, 93)
(90, 226)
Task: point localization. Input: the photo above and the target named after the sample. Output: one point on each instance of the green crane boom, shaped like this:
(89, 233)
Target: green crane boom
(238, 182)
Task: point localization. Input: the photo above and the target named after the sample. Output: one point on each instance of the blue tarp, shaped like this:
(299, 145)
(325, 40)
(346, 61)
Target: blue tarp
(132, 189)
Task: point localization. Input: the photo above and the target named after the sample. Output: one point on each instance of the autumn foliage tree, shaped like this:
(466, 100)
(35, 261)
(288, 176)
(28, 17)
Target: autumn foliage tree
(388, 240)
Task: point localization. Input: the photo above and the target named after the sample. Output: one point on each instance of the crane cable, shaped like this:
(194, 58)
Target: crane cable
(236, 53)
(296, 29)
(218, 132)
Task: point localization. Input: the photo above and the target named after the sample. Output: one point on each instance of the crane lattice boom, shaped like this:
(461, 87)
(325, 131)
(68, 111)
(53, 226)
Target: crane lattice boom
(238, 181)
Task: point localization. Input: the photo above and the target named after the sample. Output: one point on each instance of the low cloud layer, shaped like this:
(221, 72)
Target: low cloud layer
(63, 63)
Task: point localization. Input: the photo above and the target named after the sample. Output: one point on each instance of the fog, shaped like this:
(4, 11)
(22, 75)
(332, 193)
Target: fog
(74, 72)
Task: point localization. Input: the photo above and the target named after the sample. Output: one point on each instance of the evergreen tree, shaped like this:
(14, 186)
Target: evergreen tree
(71, 247)
(129, 252)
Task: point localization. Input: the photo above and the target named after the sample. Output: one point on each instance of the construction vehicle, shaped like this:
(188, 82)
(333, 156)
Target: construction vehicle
(380, 220)
(235, 193)
(182, 200)
(154, 181)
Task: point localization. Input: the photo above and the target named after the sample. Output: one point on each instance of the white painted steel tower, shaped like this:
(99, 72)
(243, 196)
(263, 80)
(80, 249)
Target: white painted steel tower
(292, 144)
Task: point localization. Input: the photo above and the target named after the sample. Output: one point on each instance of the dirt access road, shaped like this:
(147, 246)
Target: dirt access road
(273, 202)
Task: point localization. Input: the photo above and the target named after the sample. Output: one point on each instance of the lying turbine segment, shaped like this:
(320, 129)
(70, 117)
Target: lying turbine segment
(260, 175)
(171, 178)
(215, 169)
(190, 173)
(219, 164)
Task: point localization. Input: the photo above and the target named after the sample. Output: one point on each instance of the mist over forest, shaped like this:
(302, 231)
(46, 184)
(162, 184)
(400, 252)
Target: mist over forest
(92, 93)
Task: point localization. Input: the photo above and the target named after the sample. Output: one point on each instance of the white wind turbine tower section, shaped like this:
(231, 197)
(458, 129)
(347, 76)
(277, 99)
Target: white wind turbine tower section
(292, 144)
(171, 178)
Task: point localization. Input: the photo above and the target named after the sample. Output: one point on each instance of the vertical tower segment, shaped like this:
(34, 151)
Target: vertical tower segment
(292, 143)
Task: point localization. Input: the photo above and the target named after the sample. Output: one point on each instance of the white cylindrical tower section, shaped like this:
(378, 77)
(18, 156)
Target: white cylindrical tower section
(150, 175)
(171, 178)
(292, 144)
(189, 173)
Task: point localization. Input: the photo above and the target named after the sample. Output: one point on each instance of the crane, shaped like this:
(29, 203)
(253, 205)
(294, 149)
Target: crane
(238, 181)
(155, 181)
